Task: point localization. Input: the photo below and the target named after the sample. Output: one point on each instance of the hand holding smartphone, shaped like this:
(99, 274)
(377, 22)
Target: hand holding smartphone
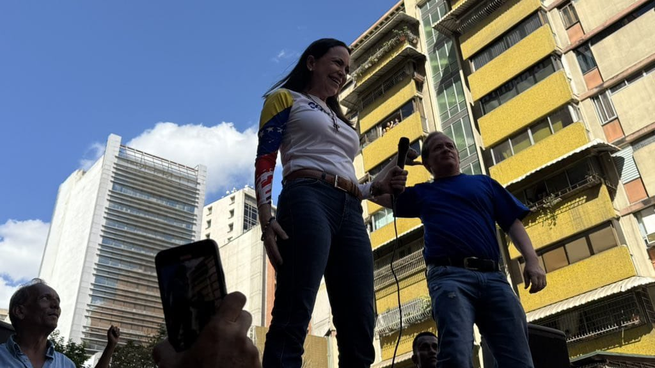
(191, 284)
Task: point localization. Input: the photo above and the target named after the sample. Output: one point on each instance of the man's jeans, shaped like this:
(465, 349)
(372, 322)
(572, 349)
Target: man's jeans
(327, 236)
(462, 297)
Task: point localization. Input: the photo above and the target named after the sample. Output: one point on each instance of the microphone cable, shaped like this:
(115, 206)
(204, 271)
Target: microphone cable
(395, 277)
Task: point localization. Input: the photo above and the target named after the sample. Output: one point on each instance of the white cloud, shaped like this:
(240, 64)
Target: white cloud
(228, 154)
(96, 150)
(21, 247)
(285, 55)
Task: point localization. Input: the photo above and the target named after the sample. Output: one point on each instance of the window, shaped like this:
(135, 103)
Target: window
(230, 227)
(231, 213)
(250, 214)
(382, 218)
(519, 84)
(585, 58)
(207, 236)
(387, 124)
(576, 249)
(209, 224)
(232, 199)
(632, 79)
(569, 15)
(509, 39)
(537, 132)
(209, 210)
(604, 107)
(602, 240)
(646, 221)
(386, 86)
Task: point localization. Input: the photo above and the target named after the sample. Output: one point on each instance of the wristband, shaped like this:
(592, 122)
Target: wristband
(271, 219)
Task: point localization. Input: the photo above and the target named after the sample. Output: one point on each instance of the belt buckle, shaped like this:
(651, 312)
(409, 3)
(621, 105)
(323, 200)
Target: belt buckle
(466, 264)
(336, 183)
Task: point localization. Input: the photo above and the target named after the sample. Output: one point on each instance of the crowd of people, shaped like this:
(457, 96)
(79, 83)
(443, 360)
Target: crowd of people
(319, 232)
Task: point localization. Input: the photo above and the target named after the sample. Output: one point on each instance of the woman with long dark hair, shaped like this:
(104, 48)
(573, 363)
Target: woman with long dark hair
(320, 230)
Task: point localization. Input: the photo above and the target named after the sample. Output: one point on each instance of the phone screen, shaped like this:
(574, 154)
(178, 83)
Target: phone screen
(191, 285)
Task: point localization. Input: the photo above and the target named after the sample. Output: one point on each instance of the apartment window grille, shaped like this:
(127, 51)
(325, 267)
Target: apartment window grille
(534, 134)
(580, 176)
(403, 267)
(614, 313)
(519, 84)
(414, 311)
(569, 15)
(575, 249)
(605, 107)
(506, 41)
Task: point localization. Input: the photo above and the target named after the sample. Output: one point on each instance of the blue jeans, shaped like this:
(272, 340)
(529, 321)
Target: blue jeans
(462, 297)
(327, 236)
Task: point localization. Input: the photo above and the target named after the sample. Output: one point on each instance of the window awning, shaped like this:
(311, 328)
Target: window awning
(615, 288)
(454, 21)
(590, 148)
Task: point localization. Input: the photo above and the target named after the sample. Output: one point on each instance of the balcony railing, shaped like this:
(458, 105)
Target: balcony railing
(556, 197)
(414, 312)
(403, 267)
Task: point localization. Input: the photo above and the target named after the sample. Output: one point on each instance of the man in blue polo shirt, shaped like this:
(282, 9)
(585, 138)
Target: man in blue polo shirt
(459, 214)
(34, 312)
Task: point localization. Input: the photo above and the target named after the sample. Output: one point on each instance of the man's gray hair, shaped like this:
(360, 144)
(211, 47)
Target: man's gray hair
(22, 296)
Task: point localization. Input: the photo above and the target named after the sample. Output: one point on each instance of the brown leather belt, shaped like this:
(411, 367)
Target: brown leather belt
(336, 181)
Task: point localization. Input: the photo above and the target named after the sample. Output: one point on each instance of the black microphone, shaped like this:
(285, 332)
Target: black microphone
(403, 148)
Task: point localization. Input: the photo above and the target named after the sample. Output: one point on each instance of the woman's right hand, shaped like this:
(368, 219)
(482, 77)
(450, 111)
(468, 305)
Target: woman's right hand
(273, 232)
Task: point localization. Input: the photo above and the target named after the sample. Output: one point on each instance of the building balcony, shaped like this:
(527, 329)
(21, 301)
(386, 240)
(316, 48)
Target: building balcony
(379, 65)
(403, 267)
(386, 233)
(592, 273)
(488, 21)
(561, 144)
(526, 108)
(577, 213)
(512, 62)
(387, 145)
(384, 106)
(414, 312)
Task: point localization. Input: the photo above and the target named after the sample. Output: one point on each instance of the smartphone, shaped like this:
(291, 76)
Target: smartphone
(191, 284)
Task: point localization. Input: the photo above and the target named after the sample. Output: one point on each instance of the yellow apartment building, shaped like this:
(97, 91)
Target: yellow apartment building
(563, 96)
(554, 99)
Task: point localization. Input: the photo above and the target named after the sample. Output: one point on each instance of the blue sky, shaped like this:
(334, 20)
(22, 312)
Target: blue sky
(163, 75)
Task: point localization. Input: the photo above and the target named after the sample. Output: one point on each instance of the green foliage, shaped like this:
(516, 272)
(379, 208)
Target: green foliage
(136, 355)
(75, 352)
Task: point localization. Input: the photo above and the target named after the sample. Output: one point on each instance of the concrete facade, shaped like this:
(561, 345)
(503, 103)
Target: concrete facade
(107, 226)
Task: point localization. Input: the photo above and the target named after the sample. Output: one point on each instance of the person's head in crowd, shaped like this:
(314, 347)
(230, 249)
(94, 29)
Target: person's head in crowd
(424, 350)
(34, 308)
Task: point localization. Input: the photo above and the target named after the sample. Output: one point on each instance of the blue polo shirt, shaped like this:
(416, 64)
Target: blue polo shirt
(12, 357)
(459, 215)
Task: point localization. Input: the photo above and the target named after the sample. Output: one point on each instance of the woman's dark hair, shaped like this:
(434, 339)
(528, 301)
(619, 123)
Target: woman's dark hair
(299, 77)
